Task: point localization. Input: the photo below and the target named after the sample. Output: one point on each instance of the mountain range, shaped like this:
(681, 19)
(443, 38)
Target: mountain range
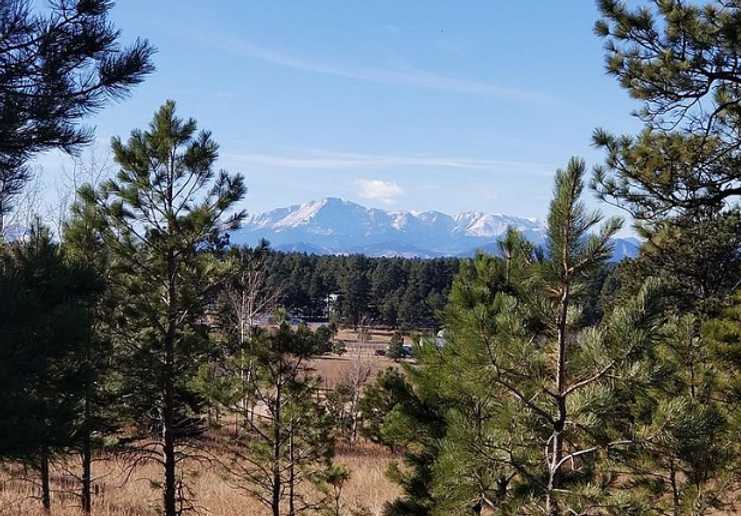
(338, 226)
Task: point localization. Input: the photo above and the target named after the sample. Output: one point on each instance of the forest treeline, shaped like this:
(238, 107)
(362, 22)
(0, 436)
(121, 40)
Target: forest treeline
(350, 290)
(407, 294)
(565, 386)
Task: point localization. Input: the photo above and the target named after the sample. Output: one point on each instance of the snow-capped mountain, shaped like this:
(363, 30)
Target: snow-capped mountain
(337, 226)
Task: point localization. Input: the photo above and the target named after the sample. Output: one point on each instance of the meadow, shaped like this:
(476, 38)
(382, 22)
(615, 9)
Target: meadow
(131, 493)
(123, 491)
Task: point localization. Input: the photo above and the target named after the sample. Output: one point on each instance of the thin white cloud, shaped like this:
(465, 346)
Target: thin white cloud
(400, 77)
(377, 190)
(331, 160)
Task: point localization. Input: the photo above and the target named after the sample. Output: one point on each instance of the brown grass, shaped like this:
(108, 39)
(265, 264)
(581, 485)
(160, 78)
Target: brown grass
(120, 494)
(368, 487)
(333, 369)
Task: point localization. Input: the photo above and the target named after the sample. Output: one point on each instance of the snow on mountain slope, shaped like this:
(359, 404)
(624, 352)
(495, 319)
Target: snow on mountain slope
(339, 226)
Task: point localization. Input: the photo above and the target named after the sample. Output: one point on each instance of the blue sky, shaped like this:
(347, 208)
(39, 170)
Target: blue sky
(446, 105)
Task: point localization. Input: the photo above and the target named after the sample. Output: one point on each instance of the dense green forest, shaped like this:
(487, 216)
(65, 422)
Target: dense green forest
(565, 386)
(403, 293)
(393, 292)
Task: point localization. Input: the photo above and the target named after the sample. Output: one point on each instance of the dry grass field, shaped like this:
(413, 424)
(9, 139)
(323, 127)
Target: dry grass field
(124, 493)
(368, 487)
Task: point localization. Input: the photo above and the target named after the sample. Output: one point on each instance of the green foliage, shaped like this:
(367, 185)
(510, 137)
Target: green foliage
(162, 216)
(395, 349)
(679, 178)
(57, 67)
(565, 385)
(394, 292)
(354, 284)
(44, 325)
(101, 419)
(688, 456)
(698, 262)
(336, 478)
(325, 336)
(379, 399)
(522, 410)
(282, 456)
(681, 59)
(535, 404)
(339, 347)
(415, 426)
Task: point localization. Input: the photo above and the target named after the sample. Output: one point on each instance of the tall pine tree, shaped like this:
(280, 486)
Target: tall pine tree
(525, 405)
(161, 213)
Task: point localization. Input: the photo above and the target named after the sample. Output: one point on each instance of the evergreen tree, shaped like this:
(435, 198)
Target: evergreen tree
(524, 399)
(44, 327)
(83, 243)
(161, 213)
(381, 397)
(395, 349)
(283, 457)
(337, 477)
(394, 292)
(698, 263)
(57, 67)
(688, 459)
(682, 60)
(407, 413)
(388, 282)
(354, 290)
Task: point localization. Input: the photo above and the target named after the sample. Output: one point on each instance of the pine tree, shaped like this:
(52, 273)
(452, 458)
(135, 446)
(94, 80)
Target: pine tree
(161, 213)
(379, 398)
(524, 400)
(698, 263)
(45, 322)
(354, 290)
(407, 413)
(58, 67)
(82, 243)
(681, 59)
(283, 456)
(395, 349)
(684, 407)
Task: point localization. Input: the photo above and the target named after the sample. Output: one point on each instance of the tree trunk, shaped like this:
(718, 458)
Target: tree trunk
(556, 478)
(355, 421)
(87, 444)
(45, 489)
(168, 450)
(277, 483)
(355, 400)
(87, 459)
(169, 487)
(291, 477)
(675, 488)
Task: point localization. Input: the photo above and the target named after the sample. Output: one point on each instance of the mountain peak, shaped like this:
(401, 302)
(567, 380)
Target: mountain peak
(342, 225)
(335, 201)
(337, 226)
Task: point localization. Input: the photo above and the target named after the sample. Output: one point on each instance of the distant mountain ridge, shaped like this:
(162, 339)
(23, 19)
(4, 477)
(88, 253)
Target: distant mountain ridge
(338, 226)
